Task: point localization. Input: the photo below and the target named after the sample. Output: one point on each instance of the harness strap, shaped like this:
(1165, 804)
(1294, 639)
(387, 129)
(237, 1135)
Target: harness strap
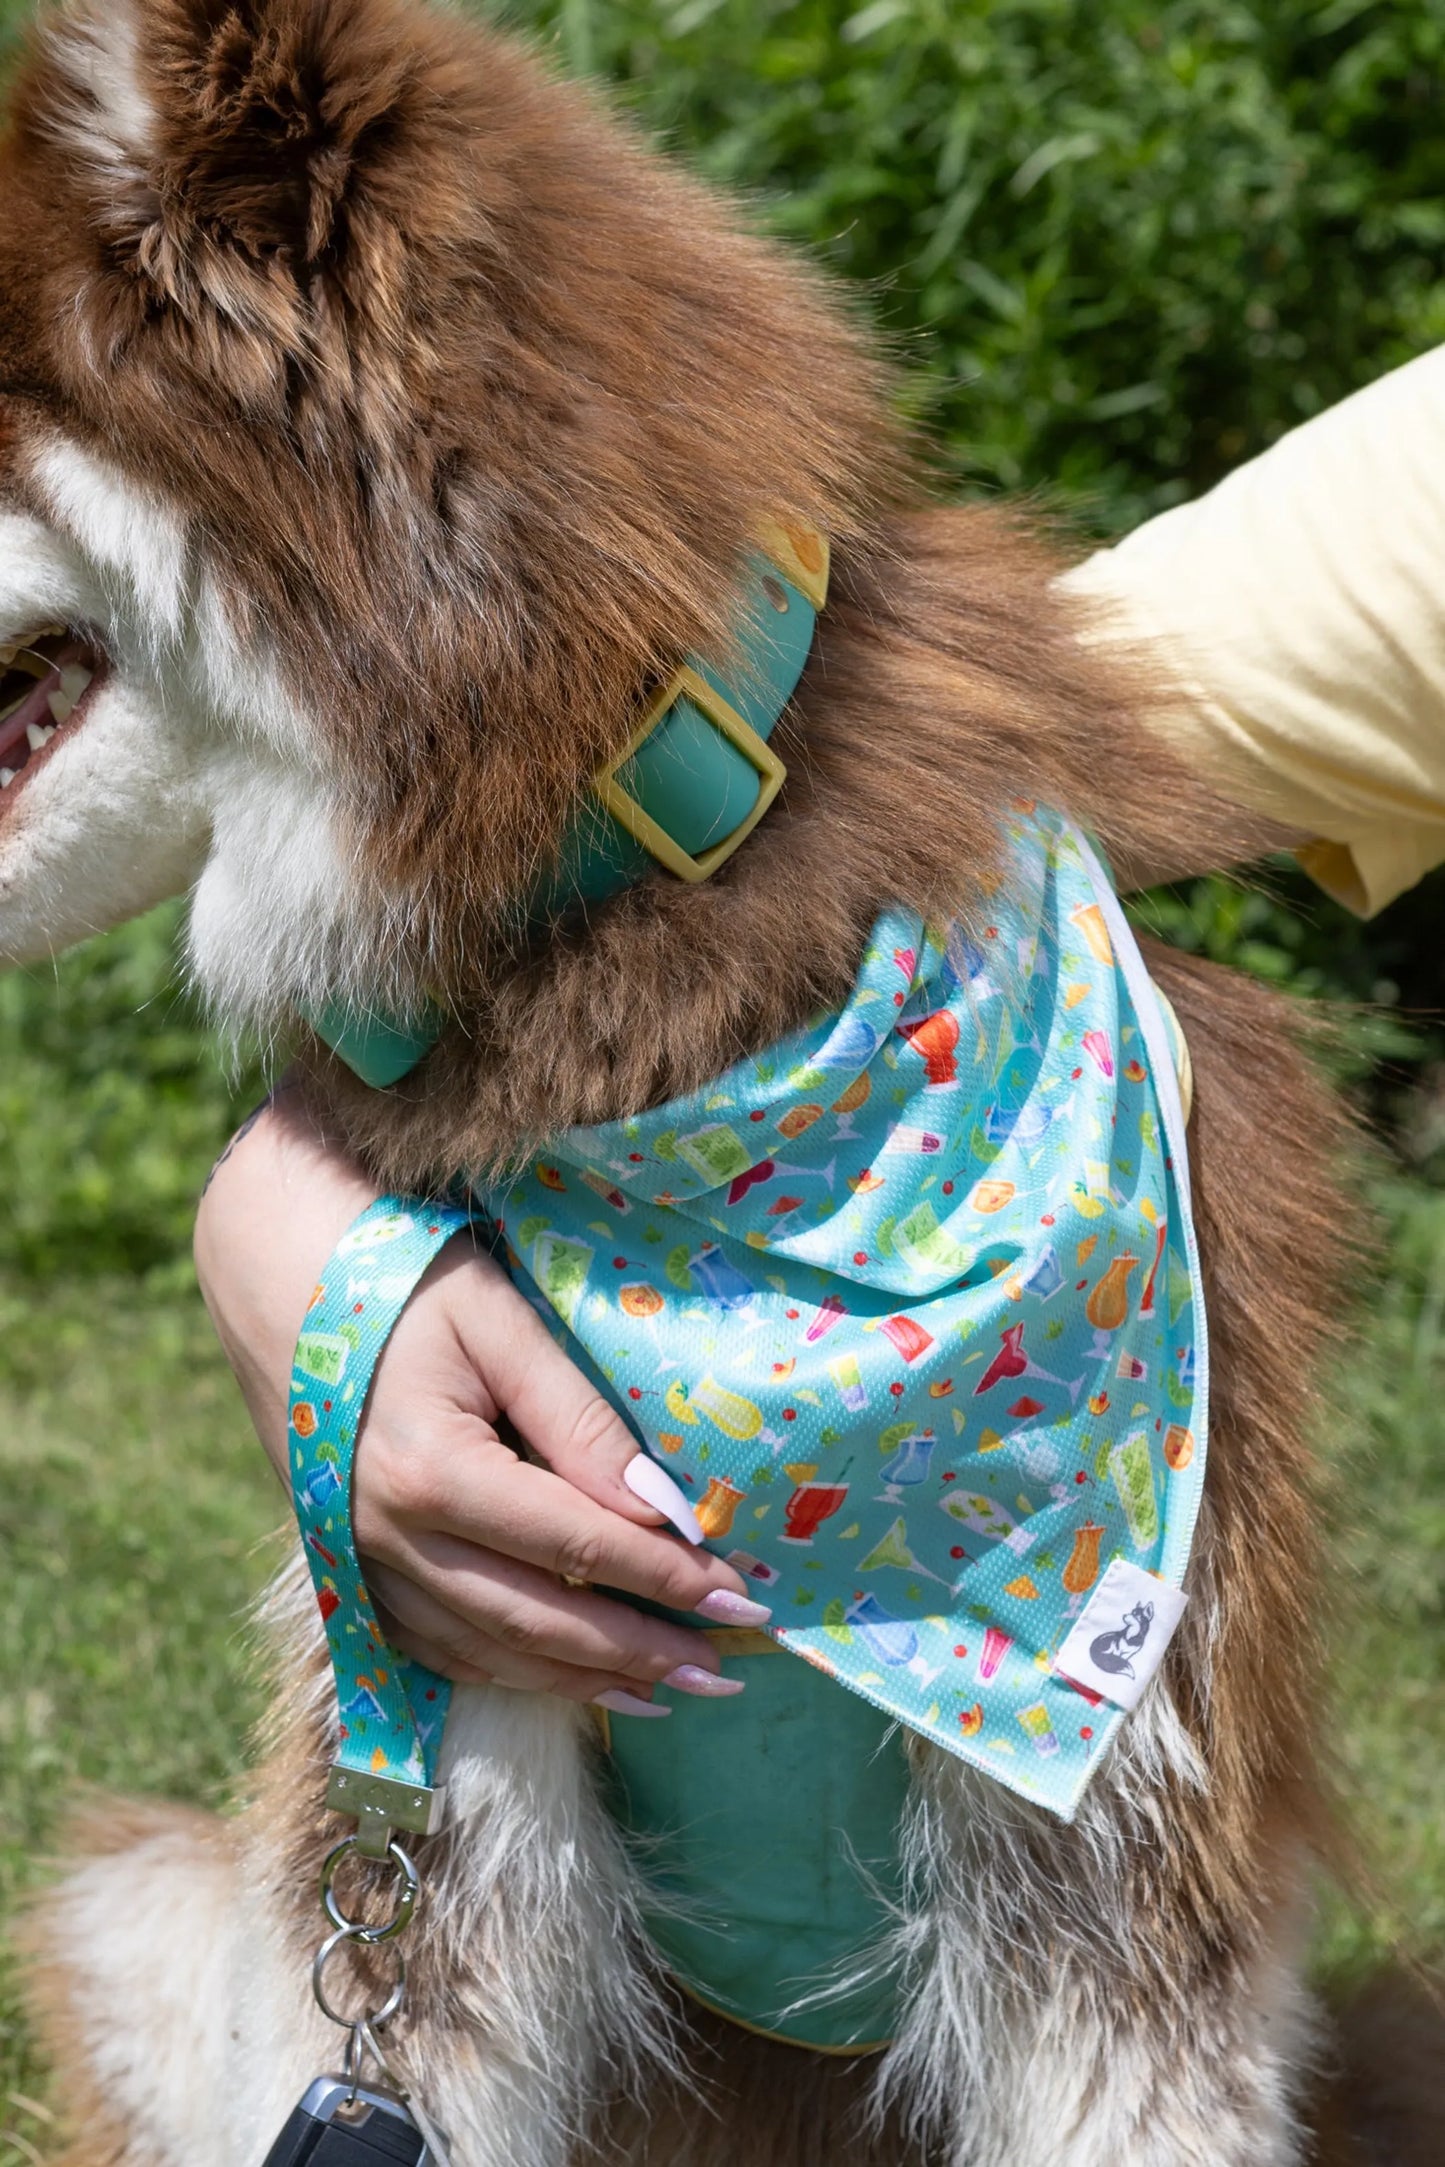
(391, 1711)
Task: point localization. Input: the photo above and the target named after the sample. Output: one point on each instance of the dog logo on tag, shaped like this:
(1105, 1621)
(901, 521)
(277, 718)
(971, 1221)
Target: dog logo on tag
(1114, 1652)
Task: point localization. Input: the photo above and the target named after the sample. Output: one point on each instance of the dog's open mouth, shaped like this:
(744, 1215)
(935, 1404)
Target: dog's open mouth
(45, 683)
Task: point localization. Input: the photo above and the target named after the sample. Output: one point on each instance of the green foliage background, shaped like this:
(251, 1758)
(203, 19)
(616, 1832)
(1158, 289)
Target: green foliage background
(1118, 247)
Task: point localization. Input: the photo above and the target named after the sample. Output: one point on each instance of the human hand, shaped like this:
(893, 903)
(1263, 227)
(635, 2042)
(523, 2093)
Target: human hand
(468, 1548)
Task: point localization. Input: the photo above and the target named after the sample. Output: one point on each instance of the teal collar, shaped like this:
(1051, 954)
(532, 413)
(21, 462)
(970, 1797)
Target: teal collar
(692, 783)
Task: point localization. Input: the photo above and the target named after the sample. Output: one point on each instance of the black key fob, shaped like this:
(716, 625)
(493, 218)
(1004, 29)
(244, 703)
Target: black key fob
(338, 2125)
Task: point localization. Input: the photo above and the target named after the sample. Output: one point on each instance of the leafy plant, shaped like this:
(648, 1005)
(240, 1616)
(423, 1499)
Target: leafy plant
(113, 1102)
(1117, 246)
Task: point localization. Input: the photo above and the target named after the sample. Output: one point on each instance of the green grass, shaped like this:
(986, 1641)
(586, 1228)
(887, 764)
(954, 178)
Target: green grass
(136, 1500)
(134, 1541)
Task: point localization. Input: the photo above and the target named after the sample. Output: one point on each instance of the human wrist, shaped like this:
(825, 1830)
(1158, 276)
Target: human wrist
(279, 1199)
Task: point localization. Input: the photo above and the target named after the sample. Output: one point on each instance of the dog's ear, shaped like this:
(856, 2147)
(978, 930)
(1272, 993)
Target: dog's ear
(233, 123)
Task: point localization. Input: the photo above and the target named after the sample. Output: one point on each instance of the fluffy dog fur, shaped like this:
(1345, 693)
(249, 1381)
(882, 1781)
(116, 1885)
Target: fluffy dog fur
(392, 420)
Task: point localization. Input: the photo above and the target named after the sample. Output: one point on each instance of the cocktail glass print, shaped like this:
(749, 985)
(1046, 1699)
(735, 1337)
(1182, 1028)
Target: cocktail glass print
(831, 1311)
(908, 1466)
(644, 1305)
(892, 1549)
(1092, 923)
(1027, 1124)
(1082, 1569)
(908, 1141)
(809, 1506)
(323, 1356)
(847, 1376)
(848, 1103)
(1107, 1307)
(1046, 1277)
(936, 1038)
(907, 1335)
(770, 1170)
(560, 1267)
(717, 1508)
(985, 1516)
(996, 1645)
(1146, 1299)
(735, 1416)
(1096, 1045)
(724, 1284)
(717, 1153)
(848, 1048)
(1036, 1724)
(888, 1639)
(1132, 1467)
(321, 1486)
(1014, 1361)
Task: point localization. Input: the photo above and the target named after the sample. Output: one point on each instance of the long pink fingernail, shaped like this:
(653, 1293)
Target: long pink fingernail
(629, 1704)
(725, 1608)
(653, 1484)
(692, 1678)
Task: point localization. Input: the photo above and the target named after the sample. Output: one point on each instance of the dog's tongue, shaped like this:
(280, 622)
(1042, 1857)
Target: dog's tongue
(60, 673)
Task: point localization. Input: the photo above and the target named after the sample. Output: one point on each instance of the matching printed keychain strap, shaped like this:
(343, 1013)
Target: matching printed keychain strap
(391, 1711)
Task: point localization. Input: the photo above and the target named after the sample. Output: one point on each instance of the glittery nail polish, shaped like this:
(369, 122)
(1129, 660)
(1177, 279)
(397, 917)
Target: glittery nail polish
(725, 1608)
(692, 1678)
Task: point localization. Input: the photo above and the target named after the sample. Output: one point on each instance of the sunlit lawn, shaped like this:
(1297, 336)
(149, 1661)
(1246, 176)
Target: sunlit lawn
(135, 1506)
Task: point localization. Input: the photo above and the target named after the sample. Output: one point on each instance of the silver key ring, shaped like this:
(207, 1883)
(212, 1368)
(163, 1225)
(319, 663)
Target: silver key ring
(406, 1895)
(370, 2019)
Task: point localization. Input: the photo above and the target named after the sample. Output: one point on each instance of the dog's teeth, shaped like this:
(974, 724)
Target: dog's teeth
(7, 777)
(61, 706)
(74, 679)
(38, 736)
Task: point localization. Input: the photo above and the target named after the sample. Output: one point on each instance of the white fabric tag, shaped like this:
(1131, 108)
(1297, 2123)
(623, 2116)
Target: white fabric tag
(1119, 1637)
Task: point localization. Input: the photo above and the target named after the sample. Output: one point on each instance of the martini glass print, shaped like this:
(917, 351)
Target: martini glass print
(893, 1550)
(809, 1506)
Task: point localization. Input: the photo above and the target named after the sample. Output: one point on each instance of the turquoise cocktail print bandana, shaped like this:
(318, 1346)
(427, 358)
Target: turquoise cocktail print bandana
(909, 1306)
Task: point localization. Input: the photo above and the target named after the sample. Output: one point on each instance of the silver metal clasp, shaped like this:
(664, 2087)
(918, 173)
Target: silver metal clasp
(380, 1804)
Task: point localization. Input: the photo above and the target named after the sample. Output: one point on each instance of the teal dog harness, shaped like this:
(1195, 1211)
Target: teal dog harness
(910, 1307)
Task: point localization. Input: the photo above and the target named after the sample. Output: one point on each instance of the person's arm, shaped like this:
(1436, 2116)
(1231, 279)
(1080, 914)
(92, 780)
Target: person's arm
(1300, 605)
(468, 1548)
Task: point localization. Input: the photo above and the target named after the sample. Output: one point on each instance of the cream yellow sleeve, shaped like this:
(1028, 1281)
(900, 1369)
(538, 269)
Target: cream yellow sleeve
(1302, 602)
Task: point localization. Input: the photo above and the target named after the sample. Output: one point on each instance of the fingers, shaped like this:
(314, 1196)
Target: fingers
(426, 1630)
(472, 1546)
(479, 1603)
(564, 1420)
(653, 1484)
(456, 1478)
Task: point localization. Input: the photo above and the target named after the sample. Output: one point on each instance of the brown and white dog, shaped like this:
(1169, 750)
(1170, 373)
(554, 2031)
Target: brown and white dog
(378, 421)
